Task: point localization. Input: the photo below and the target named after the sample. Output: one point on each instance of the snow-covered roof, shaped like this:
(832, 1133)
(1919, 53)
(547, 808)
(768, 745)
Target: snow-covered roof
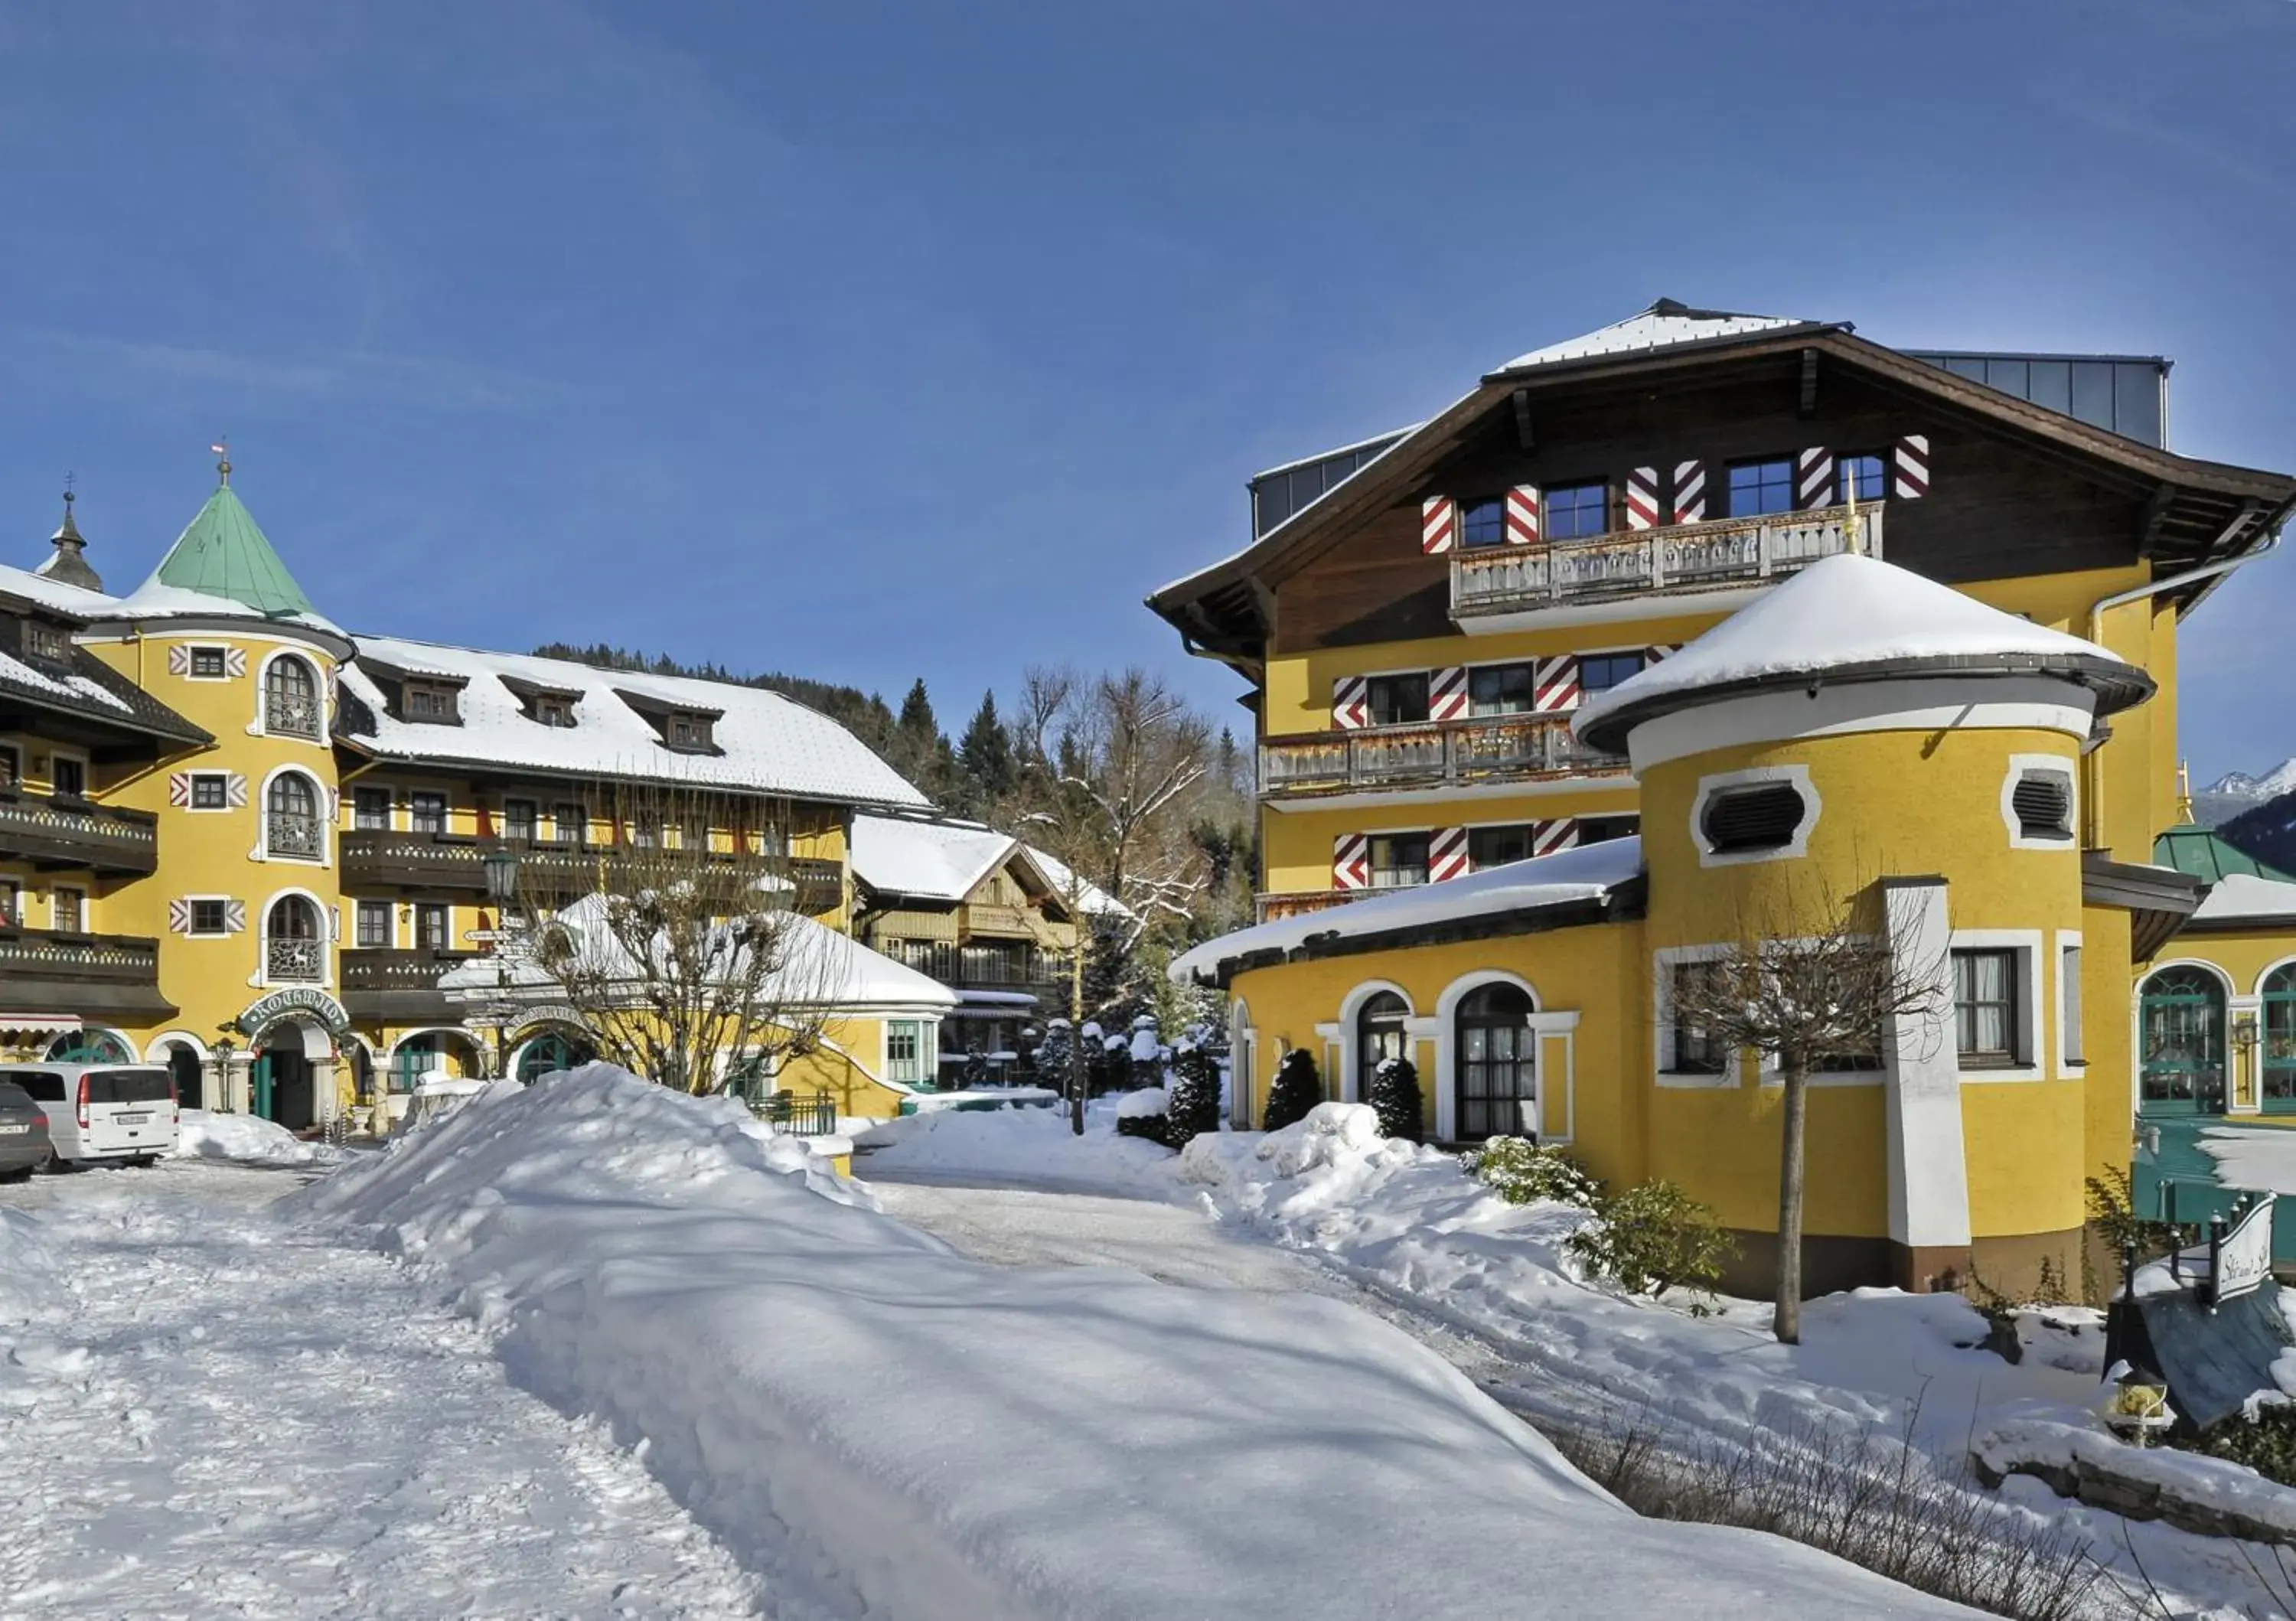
(2241, 896)
(931, 859)
(1847, 616)
(75, 601)
(1588, 873)
(767, 743)
(155, 599)
(1095, 901)
(1662, 325)
(820, 967)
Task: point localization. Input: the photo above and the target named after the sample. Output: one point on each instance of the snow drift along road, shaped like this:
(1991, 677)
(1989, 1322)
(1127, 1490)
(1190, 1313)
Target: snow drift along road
(850, 1405)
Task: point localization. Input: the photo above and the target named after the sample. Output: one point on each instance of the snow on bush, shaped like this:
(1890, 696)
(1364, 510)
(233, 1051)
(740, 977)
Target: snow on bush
(886, 1426)
(247, 1139)
(1148, 1102)
(1394, 1091)
(1521, 1171)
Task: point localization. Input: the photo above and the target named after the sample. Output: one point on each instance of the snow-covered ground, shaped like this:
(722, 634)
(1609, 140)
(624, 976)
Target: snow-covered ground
(1490, 1286)
(886, 1427)
(248, 1141)
(207, 1411)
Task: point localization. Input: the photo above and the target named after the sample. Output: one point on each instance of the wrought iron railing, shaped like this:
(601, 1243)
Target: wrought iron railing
(1680, 557)
(295, 833)
(1449, 754)
(295, 960)
(293, 713)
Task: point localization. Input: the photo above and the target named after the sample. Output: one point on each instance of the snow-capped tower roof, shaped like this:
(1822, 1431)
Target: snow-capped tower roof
(222, 566)
(1852, 618)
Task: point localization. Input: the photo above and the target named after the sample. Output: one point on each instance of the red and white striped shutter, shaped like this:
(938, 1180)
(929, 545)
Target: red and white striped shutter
(1546, 838)
(1690, 492)
(234, 790)
(1642, 498)
(179, 917)
(1438, 524)
(1912, 479)
(179, 659)
(1652, 655)
(1350, 703)
(1447, 693)
(234, 917)
(1352, 861)
(234, 662)
(1522, 515)
(1447, 854)
(1813, 479)
(1554, 685)
(179, 788)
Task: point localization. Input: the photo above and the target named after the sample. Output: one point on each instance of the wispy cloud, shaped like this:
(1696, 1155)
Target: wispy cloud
(112, 367)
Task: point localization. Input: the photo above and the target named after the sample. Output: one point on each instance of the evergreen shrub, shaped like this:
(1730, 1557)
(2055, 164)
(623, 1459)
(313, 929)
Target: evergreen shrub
(1394, 1092)
(1298, 1089)
(1522, 1172)
(1194, 1096)
(1653, 1238)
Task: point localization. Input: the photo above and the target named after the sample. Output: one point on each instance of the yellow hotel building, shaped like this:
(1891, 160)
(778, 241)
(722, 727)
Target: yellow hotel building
(1706, 616)
(239, 840)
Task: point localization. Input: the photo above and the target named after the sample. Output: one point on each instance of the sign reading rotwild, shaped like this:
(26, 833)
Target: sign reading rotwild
(296, 999)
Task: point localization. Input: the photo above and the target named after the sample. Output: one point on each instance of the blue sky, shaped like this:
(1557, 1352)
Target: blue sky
(869, 341)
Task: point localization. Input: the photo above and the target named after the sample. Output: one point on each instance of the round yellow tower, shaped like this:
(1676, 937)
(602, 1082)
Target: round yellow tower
(248, 917)
(1865, 751)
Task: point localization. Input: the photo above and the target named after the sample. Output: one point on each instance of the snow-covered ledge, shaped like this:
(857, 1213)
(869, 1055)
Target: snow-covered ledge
(2209, 1496)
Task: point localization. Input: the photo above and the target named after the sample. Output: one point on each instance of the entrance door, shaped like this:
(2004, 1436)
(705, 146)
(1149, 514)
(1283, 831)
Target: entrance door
(184, 1067)
(284, 1094)
(260, 1078)
(2182, 1015)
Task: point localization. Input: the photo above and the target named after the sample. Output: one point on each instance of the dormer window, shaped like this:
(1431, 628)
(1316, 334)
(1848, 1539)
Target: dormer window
(46, 643)
(683, 729)
(545, 706)
(554, 711)
(689, 731)
(431, 702)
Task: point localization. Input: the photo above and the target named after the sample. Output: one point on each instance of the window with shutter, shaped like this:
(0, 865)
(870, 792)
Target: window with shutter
(2043, 801)
(1759, 816)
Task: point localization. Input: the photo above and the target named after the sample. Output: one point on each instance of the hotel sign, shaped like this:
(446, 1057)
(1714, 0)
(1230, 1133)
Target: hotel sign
(306, 999)
(2240, 1257)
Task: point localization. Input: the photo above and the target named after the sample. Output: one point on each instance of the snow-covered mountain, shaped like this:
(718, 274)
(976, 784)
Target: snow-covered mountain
(2228, 796)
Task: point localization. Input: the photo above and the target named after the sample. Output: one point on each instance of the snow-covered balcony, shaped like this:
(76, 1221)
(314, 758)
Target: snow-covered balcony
(1329, 769)
(1598, 578)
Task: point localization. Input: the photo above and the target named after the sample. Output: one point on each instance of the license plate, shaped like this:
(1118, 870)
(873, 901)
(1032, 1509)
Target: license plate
(14, 1130)
(131, 1119)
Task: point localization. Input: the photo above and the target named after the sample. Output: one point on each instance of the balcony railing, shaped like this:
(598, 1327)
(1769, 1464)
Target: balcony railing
(36, 953)
(1682, 558)
(1297, 903)
(295, 961)
(294, 833)
(1449, 754)
(293, 713)
(68, 833)
(372, 969)
(454, 862)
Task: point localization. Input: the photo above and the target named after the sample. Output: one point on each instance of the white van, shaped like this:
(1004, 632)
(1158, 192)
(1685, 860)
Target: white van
(104, 1113)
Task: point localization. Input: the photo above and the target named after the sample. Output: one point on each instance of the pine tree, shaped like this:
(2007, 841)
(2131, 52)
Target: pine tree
(986, 759)
(1298, 1089)
(1394, 1092)
(1193, 1093)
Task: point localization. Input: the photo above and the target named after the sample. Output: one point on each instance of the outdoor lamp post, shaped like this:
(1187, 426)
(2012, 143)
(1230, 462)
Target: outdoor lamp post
(222, 1050)
(502, 878)
(2139, 1407)
(2244, 1038)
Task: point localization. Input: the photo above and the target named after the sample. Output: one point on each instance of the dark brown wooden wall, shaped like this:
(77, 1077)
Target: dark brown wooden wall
(1997, 508)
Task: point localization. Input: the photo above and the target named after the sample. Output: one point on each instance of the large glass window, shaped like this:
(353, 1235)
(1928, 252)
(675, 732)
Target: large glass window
(1500, 689)
(1397, 700)
(910, 1058)
(1398, 860)
(1988, 1011)
(1761, 486)
(293, 946)
(426, 811)
(1573, 510)
(2277, 1051)
(2181, 1017)
(518, 818)
(434, 927)
(371, 809)
(1495, 846)
(1379, 1036)
(291, 697)
(1497, 1093)
(292, 818)
(68, 910)
(1864, 476)
(1600, 672)
(1601, 830)
(1483, 523)
(1697, 1050)
(374, 924)
(69, 774)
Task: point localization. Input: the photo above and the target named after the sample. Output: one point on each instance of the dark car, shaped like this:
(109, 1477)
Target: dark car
(24, 1145)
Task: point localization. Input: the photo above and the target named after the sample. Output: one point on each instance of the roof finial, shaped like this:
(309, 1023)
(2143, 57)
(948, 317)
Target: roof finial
(222, 447)
(65, 562)
(2184, 792)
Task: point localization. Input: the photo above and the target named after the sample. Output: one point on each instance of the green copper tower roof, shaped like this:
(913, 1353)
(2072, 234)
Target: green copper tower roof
(2206, 855)
(222, 554)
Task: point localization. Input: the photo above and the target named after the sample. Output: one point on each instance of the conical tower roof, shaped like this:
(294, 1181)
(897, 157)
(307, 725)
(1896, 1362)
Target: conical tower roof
(223, 554)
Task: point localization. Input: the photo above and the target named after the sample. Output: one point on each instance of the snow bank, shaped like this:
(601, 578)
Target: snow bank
(1114, 1447)
(247, 1139)
(1020, 1147)
(28, 1284)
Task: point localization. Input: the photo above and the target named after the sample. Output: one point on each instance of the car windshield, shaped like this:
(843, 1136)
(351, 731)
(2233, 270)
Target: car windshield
(128, 1087)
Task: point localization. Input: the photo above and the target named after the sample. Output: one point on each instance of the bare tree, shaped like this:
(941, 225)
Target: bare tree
(1806, 1000)
(1108, 768)
(683, 943)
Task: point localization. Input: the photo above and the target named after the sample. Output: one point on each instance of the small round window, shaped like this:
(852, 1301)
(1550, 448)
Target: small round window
(1759, 816)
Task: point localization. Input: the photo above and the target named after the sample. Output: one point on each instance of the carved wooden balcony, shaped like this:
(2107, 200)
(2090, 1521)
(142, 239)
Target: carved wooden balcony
(1437, 755)
(53, 833)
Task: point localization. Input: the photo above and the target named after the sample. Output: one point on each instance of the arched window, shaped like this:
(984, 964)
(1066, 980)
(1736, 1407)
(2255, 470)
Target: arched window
(2183, 1050)
(291, 817)
(292, 939)
(89, 1047)
(1379, 1036)
(2278, 1054)
(549, 1052)
(1497, 1065)
(291, 697)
